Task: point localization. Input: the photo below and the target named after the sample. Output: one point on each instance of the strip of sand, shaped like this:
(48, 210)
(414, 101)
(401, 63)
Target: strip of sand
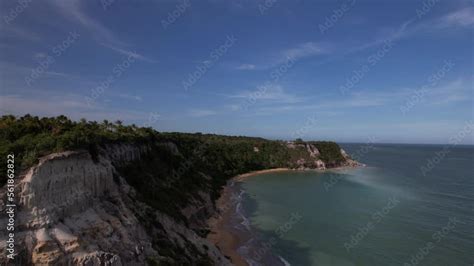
(249, 174)
(221, 233)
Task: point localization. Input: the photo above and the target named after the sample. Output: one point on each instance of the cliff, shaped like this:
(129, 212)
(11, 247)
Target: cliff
(74, 210)
(143, 202)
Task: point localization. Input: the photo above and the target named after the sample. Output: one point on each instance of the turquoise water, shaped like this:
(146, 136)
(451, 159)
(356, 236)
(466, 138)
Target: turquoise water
(397, 211)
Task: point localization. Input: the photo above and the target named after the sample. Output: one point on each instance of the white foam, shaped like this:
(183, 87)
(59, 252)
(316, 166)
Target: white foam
(245, 221)
(284, 261)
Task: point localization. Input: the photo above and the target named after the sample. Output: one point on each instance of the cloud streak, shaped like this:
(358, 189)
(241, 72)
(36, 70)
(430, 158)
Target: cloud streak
(273, 93)
(73, 10)
(74, 106)
(463, 17)
(201, 112)
(131, 54)
(308, 49)
(297, 52)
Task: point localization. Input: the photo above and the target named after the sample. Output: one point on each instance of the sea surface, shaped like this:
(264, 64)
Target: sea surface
(411, 205)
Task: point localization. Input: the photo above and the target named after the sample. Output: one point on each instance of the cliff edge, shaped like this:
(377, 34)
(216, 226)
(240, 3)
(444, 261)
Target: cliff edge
(104, 194)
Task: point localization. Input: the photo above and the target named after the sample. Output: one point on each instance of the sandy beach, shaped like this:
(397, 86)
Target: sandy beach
(249, 174)
(221, 234)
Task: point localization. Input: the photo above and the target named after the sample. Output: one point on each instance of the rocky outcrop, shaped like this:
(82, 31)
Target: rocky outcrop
(312, 150)
(349, 162)
(320, 165)
(310, 156)
(74, 209)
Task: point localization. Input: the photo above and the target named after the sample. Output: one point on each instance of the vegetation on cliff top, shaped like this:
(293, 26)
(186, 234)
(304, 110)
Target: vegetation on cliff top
(30, 137)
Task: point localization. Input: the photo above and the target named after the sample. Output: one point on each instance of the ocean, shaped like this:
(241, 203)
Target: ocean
(411, 205)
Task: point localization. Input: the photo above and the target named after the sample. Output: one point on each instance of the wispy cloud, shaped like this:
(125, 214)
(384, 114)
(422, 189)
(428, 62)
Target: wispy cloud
(463, 17)
(452, 92)
(22, 71)
(332, 105)
(273, 93)
(130, 97)
(73, 10)
(74, 106)
(303, 50)
(296, 52)
(201, 112)
(275, 102)
(40, 55)
(18, 32)
(128, 53)
(246, 67)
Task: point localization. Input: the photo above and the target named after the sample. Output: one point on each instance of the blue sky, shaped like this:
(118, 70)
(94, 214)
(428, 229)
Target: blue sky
(349, 71)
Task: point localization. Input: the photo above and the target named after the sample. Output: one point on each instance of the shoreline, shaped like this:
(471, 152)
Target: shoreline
(242, 177)
(221, 232)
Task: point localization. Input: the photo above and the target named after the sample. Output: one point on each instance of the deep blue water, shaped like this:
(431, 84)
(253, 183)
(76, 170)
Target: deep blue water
(399, 210)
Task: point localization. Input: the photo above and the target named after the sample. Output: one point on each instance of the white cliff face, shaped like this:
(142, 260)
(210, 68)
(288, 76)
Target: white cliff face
(313, 151)
(320, 165)
(63, 184)
(74, 210)
(349, 161)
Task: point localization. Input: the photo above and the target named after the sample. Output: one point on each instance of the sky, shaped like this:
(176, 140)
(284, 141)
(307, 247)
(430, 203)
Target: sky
(347, 71)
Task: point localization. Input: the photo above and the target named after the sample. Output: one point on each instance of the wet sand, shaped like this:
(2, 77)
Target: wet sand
(221, 233)
(274, 170)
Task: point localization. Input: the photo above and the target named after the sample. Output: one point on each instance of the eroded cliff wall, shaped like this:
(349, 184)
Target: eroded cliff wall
(77, 210)
(125, 204)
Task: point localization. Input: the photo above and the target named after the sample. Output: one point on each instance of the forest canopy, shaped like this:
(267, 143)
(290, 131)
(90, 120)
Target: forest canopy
(31, 137)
